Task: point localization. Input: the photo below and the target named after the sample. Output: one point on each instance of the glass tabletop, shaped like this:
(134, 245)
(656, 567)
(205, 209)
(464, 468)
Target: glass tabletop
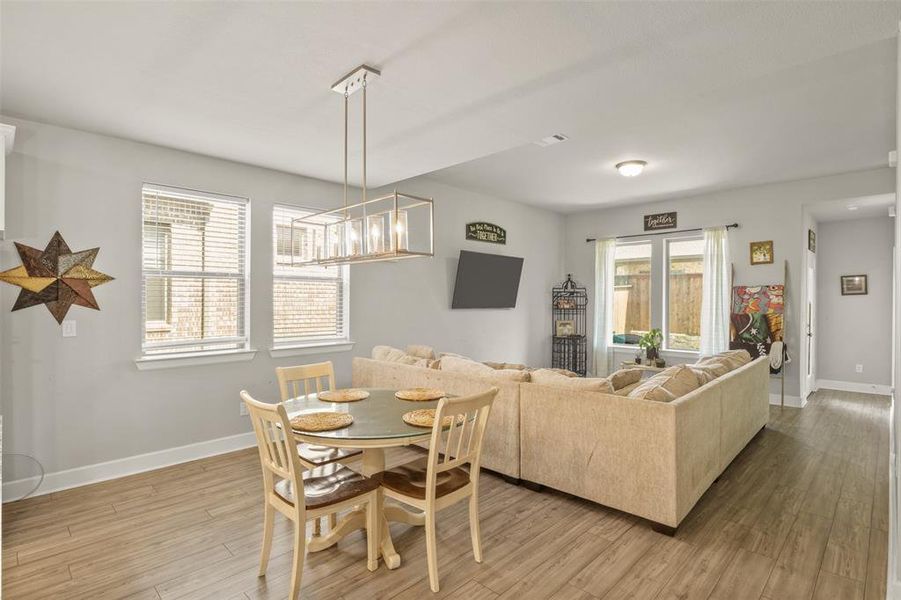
(377, 417)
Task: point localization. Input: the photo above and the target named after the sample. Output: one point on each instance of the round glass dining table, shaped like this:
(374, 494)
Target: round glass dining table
(377, 424)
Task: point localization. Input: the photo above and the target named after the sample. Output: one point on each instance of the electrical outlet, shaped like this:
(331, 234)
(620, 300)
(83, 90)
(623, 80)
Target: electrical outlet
(858, 368)
(242, 409)
(69, 329)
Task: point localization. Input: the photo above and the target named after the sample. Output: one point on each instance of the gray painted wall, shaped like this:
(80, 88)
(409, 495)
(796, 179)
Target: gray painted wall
(79, 401)
(766, 212)
(855, 330)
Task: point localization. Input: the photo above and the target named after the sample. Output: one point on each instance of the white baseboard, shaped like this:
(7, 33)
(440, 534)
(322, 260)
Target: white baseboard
(792, 401)
(853, 386)
(62, 480)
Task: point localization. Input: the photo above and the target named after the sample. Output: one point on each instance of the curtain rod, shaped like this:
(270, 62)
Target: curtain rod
(638, 235)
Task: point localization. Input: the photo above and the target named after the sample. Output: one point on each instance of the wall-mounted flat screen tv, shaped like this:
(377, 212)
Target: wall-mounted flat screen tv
(486, 280)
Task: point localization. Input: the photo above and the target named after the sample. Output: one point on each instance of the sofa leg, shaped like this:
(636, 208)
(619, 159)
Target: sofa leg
(511, 480)
(531, 485)
(663, 529)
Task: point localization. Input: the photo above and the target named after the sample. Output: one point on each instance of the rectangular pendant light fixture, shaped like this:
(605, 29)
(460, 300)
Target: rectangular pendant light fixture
(390, 227)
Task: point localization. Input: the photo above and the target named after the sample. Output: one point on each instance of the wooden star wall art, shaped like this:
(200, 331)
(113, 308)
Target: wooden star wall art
(55, 277)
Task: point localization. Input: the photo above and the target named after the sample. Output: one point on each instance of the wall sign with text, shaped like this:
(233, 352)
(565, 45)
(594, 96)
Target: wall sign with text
(660, 221)
(486, 232)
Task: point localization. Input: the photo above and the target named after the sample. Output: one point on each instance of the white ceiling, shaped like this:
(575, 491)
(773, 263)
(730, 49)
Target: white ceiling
(712, 95)
(864, 207)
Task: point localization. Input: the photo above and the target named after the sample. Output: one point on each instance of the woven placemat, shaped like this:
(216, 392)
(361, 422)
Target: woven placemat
(321, 421)
(420, 394)
(425, 417)
(348, 395)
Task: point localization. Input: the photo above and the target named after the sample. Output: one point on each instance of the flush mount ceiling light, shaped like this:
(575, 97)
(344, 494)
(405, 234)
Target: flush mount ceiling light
(853, 207)
(390, 227)
(631, 168)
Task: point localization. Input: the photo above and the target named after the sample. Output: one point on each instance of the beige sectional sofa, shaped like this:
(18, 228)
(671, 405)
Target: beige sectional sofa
(648, 458)
(500, 446)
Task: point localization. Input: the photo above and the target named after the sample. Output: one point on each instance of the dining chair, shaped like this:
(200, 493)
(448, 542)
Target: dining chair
(303, 380)
(439, 480)
(302, 495)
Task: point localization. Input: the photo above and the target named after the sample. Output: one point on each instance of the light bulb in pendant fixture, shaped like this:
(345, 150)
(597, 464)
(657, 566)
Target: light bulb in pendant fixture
(631, 168)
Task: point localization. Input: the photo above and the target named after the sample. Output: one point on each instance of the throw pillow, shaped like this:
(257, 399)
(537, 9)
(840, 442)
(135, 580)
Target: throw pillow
(709, 370)
(502, 365)
(667, 385)
(387, 353)
(549, 377)
(624, 377)
(420, 351)
(734, 358)
(396, 355)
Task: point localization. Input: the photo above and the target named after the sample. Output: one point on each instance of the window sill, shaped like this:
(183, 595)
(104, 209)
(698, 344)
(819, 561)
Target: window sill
(663, 351)
(193, 359)
(316, 348)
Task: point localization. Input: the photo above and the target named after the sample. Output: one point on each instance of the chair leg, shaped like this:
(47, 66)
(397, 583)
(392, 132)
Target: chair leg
(300, 550)
(317, 526)
(373, 534)
(475, 531)
(431, 549)
(268, 525)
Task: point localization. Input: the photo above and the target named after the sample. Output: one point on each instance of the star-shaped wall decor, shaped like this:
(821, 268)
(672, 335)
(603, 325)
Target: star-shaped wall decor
(56, 277)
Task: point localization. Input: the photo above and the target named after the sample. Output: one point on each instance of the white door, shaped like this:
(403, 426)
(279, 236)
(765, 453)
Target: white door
(810, 327)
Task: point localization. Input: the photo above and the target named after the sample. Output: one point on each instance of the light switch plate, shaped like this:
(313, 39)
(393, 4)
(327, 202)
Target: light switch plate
(69, 329)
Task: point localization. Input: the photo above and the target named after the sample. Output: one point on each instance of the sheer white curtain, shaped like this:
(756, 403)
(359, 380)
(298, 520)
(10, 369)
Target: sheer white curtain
(716, 292)
(604, 271)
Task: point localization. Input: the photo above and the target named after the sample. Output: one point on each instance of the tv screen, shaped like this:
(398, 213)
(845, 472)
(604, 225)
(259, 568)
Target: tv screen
(486, 280)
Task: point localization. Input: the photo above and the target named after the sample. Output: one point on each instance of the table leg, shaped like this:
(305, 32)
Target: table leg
(374, 462)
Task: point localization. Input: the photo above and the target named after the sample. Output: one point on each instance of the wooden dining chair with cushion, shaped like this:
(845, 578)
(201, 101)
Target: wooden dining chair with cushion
(304, 494)
(442, 478)
(303, 380)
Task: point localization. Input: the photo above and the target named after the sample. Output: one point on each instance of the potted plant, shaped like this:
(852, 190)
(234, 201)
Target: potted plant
(651, 342)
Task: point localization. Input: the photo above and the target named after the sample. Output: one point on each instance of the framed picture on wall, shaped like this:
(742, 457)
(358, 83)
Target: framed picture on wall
(762, 253)
(854, 285)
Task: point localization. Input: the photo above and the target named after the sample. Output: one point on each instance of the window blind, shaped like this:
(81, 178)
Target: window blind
(194, 271)
(311, 303)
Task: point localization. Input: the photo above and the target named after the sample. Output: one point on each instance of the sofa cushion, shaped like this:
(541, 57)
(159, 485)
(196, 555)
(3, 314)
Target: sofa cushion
(551, 378)
(390, 354)
(625, 377)
(420, 351)
(565, 372)
(667, 385)
(464, 366)
(503, 365)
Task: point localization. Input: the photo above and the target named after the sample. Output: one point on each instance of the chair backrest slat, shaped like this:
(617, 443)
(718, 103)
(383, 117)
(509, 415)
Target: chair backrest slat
(277, 447)
(291, 380)
(467, 413)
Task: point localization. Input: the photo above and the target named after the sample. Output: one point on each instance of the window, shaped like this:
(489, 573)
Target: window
(632, 293)
(310, 304)
(194, 271)
(685, 273)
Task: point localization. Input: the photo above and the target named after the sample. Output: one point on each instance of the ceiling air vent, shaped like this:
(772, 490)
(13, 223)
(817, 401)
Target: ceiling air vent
(550, 140)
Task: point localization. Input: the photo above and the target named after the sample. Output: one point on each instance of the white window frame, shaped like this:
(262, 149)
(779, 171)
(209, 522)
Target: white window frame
(243, 350)
(301, 346)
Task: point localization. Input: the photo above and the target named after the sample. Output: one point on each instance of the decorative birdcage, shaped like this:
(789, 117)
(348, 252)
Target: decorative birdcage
(569, 303)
